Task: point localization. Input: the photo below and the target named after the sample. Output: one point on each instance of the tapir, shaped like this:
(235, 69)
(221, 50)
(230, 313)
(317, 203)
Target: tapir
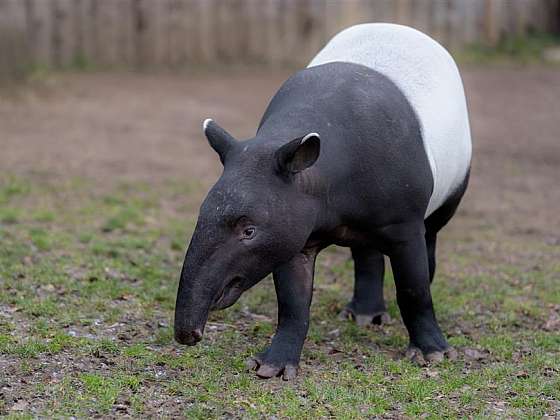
(368, 147)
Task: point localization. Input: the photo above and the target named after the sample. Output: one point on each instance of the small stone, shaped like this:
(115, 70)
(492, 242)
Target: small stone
(334, 333)
(552, 54)
(474, 354)
(20, 405)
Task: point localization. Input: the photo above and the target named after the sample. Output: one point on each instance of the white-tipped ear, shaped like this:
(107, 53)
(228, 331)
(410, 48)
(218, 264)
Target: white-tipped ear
(220, 140)
(308, 136)
(205, 123)
(299, 154)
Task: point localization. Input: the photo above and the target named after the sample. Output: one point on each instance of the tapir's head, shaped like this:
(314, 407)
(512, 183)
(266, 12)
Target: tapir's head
(255, 218)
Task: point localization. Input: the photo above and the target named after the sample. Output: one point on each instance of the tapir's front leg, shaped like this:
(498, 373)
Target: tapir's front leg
(294, 286)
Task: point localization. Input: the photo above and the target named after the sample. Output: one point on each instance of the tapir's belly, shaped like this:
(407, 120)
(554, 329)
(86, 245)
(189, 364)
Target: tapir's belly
(427, 75)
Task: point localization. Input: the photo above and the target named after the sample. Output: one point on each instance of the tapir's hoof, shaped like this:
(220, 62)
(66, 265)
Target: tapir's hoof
(377, 318)
(265, 371)
(415, 355)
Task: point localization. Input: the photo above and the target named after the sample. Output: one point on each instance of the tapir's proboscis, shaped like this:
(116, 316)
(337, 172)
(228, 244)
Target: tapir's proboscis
(369, 148)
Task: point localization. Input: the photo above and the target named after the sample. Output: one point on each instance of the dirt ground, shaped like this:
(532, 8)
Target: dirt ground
(144, 128)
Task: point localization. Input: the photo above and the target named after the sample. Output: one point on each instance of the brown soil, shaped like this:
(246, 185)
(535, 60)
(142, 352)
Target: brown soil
(130, 126)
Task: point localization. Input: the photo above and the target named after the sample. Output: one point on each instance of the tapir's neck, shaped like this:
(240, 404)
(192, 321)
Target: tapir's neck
(280, 125)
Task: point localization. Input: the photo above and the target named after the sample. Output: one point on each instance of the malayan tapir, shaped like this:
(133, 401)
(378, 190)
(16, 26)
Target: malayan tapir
(369, 147)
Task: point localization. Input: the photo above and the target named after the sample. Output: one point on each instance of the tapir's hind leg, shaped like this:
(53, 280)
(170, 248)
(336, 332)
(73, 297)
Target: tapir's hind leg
(409, 260)
(367, 305)
(431, 239)
(438, 219)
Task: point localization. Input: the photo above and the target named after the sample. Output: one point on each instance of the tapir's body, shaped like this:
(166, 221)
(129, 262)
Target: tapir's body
(428, 77)
(369, 147)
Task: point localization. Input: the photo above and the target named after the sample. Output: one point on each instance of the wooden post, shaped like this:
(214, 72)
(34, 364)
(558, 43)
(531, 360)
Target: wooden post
(492, 21)
(176, 32)
(422, 15)
(403, 11)
(439, 27)
(521, 16)
(474, 24)
(126, 33)
(39, 31)
(14, 51)
(255, 32)
(272, 31)
(318, 33)
(456, 23)
(108, 33)
(383, 11)
(207, 32)
(63, 33)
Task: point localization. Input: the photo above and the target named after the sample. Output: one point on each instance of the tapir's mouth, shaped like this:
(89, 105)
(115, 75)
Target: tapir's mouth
(229, 294)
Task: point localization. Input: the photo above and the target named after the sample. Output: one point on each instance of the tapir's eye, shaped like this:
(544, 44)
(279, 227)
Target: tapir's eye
(249, 232)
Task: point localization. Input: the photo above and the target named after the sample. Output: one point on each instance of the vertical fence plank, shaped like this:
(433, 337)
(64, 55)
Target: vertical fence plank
(150, 44)
(14, 51)
(256, 39)
(160, 17)
(125, 33)
(39, 30)
(422, 15)
(241, 25)
(456, 23)
(207, 34)
(494, 21)
(221, 18)
(357, 11)
(306, 28)
(553, 15)
(63, 33)
(403, 9)
(88, 19)
(521, 16)
(318, 33)
(439, 27)
(383, 11)
(191, 43)
(108, 37)
(272, 31)
(179, 32)
(176, 33)
(227, 19)
(291, 30)
(473, 26)
(333, 21)
(537, 15)
(79, 32)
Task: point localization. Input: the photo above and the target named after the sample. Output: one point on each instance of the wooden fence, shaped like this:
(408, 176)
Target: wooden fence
(176, 33)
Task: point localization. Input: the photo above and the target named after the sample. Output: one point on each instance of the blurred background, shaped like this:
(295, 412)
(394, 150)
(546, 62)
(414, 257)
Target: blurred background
(103, 165)
(177, 33)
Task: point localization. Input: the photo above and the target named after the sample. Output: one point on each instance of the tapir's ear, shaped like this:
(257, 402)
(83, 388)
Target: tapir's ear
(220, 140)
(299, 154)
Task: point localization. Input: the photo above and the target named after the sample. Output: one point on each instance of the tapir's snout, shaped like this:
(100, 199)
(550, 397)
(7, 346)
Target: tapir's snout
(188, 337)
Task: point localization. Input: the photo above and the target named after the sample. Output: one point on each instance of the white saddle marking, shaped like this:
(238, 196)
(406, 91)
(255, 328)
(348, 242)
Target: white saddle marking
(427, 75)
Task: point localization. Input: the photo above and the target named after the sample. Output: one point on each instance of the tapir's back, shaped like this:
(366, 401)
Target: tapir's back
(427, 75)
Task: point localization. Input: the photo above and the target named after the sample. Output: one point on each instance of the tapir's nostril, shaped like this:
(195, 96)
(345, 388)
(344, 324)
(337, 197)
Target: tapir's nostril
(197, 335)
(190, 338)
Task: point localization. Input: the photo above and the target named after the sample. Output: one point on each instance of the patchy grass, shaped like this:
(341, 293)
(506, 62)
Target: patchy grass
(88, 288)
(514, 49)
